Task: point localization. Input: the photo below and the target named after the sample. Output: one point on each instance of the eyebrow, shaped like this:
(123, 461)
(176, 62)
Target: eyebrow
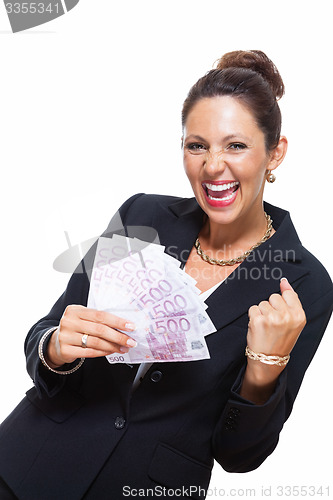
(226, 138)
(196, 137)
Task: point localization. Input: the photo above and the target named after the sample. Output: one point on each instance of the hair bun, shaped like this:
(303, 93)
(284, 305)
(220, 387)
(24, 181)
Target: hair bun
(257, 61)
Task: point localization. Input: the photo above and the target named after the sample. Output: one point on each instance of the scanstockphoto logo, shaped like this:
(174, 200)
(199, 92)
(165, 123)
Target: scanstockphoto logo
(24, 15)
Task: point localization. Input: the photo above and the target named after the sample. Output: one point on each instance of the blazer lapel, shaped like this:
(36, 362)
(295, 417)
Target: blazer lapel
(256, 278)
(178, 226)
(248, 285)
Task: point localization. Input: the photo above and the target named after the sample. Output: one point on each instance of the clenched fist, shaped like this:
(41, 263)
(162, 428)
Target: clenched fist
(275, 324)
(274, 327)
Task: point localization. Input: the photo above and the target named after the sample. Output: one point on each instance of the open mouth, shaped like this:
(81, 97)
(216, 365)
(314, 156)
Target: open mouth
(220, 192)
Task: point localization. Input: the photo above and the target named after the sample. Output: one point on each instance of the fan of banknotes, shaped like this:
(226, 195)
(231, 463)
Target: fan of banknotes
(138, 281)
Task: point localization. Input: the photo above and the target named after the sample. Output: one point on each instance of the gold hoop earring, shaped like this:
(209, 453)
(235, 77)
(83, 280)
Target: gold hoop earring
(270, 177)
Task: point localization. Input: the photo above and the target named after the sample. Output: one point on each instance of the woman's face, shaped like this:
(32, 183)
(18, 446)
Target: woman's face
(225, 158)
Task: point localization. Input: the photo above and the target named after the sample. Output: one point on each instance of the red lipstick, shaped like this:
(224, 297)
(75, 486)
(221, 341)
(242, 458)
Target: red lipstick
(220, 193)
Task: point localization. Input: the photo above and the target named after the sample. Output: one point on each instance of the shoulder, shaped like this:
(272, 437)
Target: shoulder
(316, 268)
(316, 281)
(317, 284)
(143, 206)
(143, 211)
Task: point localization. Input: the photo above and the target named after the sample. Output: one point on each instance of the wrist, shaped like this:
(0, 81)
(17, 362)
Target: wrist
(50, 351)
(267, 359)
(46, 363)
(259, 381)
(52, 365)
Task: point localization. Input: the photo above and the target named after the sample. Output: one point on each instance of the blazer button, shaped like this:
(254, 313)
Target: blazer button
(234, 411)
(156, 376)
(119, 422)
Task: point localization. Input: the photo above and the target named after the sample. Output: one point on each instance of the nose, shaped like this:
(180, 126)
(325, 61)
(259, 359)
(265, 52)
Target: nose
(214, 162)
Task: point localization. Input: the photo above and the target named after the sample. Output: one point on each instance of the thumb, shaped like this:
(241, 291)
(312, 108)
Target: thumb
(285, 285)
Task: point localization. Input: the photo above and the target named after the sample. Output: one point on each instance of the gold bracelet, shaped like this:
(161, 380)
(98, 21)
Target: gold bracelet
(268, 360)
(41, 356)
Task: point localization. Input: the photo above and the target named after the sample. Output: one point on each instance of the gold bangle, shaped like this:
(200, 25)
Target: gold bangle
(41, 356)
(264, 358)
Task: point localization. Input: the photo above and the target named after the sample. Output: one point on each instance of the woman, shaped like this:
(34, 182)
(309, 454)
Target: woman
(87, 431)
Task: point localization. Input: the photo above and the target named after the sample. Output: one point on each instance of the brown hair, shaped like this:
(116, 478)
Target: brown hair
(251, 77)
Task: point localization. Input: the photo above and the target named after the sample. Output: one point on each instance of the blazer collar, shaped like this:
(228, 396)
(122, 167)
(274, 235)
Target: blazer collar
(287, 239)
(256, 278)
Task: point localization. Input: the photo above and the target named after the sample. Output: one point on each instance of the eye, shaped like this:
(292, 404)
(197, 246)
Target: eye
(196, 147)
(237, 146)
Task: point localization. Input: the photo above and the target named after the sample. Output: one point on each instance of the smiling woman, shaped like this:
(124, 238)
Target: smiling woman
(232, 147)
(227, 163)
(161, 425)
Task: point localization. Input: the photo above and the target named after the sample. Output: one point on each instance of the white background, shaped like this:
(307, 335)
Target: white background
(90, 114)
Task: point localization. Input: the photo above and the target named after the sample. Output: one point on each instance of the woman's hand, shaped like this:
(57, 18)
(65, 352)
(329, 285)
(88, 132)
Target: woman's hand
(102, 328)
(274, 327)
(275, 324)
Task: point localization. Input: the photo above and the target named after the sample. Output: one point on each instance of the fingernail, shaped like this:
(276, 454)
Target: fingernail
(123, 349)
(283, 279)
(131, 342)
(130, 326)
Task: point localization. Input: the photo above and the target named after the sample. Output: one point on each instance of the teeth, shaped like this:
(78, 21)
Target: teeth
(225, 198)
(221, 187)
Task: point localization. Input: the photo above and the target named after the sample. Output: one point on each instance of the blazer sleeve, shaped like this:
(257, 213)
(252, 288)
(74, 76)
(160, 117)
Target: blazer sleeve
(247, 433)
(76, 292)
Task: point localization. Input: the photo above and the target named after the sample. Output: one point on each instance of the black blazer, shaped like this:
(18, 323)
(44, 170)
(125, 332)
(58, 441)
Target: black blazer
(85, 436)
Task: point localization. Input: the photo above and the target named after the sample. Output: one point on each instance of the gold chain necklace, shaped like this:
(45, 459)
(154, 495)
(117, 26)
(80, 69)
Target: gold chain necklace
(241, 258)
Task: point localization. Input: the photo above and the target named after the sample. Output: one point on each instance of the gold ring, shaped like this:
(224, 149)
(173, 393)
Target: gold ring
(84, 340)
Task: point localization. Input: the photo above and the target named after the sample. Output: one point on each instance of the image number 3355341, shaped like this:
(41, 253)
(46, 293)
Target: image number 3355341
(24, 15)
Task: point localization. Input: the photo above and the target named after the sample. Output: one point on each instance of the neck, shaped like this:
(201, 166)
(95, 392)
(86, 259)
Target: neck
(237, 237)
